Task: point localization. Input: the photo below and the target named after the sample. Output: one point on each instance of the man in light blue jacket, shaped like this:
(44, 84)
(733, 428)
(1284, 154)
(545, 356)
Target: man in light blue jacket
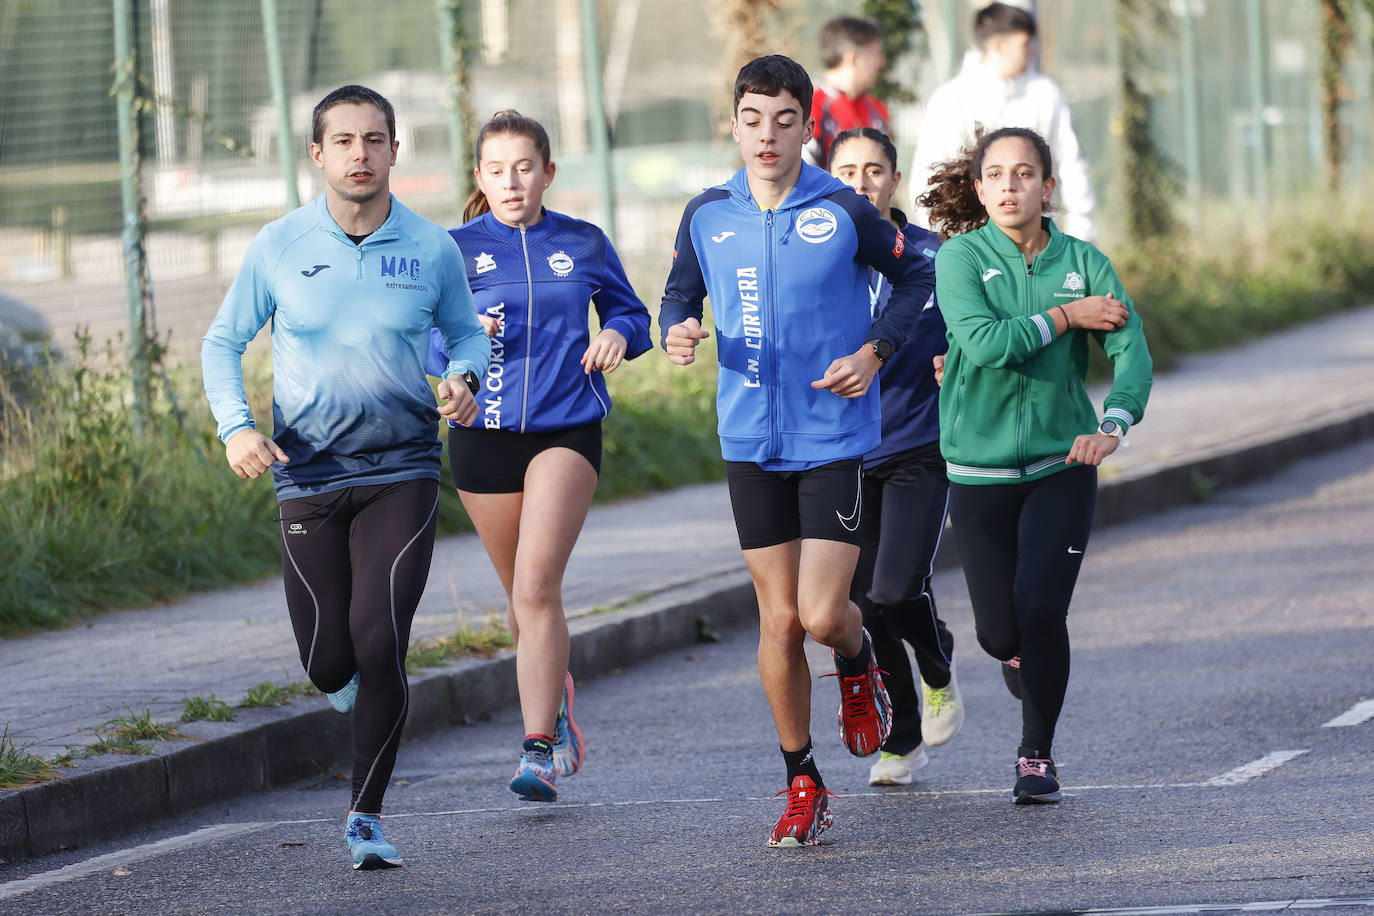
(352, 284)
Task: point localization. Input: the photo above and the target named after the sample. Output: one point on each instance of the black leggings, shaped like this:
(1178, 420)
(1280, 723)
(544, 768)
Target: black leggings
(355, 562)
(904, 501)
(1021, 546)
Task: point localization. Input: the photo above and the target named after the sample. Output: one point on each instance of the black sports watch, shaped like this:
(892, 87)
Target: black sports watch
(474, 383)
(882, 348)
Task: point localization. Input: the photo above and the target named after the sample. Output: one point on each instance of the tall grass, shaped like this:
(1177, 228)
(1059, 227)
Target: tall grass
(1246, 277)
(97, 514)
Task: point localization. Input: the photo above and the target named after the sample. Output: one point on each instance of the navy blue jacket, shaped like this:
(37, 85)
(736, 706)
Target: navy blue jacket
(910, 397)
(538, 281)
(789, 295)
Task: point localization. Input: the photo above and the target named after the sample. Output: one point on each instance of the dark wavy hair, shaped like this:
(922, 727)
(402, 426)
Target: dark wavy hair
(507, 121)
(771, 75)
(952, 200)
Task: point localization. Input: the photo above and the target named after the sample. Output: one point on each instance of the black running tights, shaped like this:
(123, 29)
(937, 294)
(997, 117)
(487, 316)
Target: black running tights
(355, 562)
(904, 501)
(1021, 546)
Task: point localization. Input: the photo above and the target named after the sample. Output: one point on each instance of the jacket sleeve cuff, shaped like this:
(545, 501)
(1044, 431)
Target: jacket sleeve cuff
(1045, 325)
(1121, 416)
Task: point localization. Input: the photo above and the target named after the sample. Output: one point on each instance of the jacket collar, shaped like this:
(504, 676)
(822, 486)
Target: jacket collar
(812, 184)
(389, 229)
(491, 224)
(1003, 245)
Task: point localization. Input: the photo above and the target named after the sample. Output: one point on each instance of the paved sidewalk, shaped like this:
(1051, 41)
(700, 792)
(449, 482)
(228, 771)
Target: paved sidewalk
(642, 571)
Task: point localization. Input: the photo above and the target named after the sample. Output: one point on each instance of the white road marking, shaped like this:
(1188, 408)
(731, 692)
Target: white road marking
(125, 857)
(1358, 714)
(1255, 906)
(225, 831)
(1253, 769)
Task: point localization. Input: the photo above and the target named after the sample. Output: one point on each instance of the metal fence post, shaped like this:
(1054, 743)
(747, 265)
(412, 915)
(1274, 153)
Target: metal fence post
(271, 34)
(956, 47)
(1259, 147)
(1192, 119)
(131, 197)
(596, 115)
(455, 57)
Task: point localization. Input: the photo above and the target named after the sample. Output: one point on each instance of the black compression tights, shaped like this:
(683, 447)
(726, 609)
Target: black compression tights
(1021, 546)
(355, 562)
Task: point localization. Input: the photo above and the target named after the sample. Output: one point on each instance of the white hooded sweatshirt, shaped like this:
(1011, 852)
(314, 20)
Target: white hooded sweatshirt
(1030, 99)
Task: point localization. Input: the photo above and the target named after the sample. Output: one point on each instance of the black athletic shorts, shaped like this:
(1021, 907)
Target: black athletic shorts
(774, 507)
(495, 460)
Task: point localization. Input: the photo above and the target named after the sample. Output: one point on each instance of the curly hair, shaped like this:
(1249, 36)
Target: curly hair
(952, 200)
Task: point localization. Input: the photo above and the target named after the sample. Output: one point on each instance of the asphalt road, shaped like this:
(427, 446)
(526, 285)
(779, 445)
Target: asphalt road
(1217, 751)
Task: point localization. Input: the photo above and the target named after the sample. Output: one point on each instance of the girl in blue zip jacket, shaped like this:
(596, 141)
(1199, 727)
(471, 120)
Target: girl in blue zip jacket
(905, 496)
(527, 469)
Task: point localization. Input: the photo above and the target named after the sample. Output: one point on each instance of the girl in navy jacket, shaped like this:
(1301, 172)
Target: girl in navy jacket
(905, 496)
(526, 470)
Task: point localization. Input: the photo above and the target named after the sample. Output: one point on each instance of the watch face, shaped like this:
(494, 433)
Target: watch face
(1108, 427)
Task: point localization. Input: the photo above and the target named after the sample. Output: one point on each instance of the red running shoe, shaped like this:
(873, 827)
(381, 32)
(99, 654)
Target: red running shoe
(806, 817)
(865, 711)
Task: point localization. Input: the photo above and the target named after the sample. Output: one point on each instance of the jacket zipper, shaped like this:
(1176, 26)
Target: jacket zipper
(529, 330)
(1021, 383)
(359, 260)
(766, 317)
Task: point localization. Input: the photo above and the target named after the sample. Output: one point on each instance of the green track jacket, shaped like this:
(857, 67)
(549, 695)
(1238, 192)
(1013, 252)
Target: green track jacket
(1013, 397)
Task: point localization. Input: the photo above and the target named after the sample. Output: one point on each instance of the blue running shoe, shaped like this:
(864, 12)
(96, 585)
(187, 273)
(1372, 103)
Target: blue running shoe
(568, 747)
(343, 699)
(369, 848)
(533, 780)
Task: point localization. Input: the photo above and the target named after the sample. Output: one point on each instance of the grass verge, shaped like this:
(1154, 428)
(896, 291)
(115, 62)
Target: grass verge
(126, 734)
(482, 642)
(211, 708)
(19, 768)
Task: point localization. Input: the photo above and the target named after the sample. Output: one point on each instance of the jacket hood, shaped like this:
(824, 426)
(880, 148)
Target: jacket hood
(973, 70)
(812, 184)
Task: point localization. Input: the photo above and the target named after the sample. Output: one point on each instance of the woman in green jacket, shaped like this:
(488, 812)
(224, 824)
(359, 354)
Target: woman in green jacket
(1019, 436)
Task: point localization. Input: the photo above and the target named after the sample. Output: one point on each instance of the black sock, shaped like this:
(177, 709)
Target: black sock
(1031, 753)
(856, 666)
(801, 763)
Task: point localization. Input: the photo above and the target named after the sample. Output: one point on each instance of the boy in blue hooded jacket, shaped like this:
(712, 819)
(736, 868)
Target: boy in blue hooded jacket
(784, 250)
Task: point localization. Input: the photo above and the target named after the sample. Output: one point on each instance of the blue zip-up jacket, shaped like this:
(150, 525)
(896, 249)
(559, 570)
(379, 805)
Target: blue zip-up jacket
(789, 295)
(351, 405)
(910, 397)
(538, 281)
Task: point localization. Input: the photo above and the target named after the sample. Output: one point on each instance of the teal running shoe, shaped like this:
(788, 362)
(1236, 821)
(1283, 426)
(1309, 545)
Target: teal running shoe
(568, 747)
(534, 777)
(367, 845)
(343, 699)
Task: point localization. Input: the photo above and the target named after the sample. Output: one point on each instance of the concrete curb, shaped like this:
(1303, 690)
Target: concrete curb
(270, 748)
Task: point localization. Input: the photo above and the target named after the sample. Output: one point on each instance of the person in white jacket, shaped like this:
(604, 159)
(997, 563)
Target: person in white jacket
(997, 88)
